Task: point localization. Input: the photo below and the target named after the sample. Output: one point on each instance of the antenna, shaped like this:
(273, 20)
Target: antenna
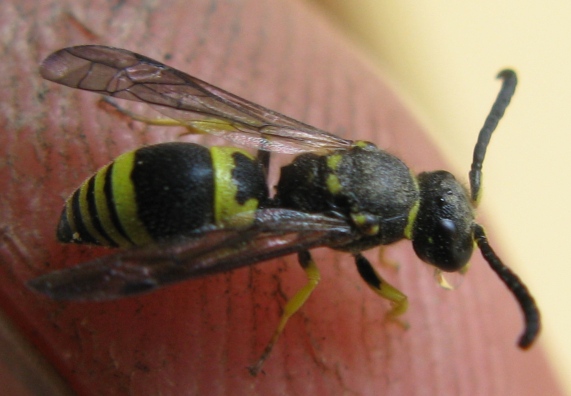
(496, 113)
(516, 286)
(511, 280)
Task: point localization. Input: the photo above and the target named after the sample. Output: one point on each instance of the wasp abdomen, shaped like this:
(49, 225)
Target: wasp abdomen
(162, 191)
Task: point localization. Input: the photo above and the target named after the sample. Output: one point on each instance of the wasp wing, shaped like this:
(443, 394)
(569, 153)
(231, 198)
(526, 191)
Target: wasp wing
(275, 233)
(124, 74)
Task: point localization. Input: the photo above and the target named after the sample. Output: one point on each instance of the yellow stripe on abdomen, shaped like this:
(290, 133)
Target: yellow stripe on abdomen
(226, 205)
(104, 211)
(87, 217)
(124, 199)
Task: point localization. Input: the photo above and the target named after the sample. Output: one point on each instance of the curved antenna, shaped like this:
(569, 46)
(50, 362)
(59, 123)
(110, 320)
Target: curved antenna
(516, 286)
(496, 113)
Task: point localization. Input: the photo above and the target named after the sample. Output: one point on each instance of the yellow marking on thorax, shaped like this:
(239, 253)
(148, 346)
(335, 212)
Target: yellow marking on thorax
(333, 183)
(362, 144)
(333, 161)
(364, 225)
(413, 211)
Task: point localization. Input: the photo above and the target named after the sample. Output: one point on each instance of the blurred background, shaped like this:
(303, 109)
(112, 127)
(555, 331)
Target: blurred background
(443, 57)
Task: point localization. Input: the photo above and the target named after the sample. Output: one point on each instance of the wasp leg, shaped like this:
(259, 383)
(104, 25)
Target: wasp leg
(191, 129)
(292, 306)
(386, 262)
(384, 289)
(158, 121)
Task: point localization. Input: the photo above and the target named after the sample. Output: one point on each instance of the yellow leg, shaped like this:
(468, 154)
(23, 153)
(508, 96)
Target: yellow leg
(398, 300)
(200, 126)
(393, 264)
(170, 122)
(292, 306)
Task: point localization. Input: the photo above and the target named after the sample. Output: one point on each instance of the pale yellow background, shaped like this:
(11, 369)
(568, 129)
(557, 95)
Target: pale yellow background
(445, 55)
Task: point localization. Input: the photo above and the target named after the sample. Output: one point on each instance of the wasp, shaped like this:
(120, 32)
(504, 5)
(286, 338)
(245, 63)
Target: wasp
(182, 210)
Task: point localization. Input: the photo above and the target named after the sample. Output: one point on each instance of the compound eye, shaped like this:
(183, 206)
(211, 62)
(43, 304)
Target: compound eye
(445, 247)
(453, 248)
(448, 227)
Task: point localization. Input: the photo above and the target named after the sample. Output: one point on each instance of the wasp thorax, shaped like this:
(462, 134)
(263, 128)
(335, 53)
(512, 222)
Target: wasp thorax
(442, 232)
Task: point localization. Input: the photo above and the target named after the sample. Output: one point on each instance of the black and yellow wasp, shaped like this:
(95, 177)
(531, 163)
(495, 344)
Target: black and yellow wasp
(184, 210)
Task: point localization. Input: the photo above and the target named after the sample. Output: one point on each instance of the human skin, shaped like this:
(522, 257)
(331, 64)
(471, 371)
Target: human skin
(197, 337)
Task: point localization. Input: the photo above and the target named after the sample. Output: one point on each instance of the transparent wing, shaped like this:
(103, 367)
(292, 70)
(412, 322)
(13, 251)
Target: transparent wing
(276, 232)
(192, 102)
